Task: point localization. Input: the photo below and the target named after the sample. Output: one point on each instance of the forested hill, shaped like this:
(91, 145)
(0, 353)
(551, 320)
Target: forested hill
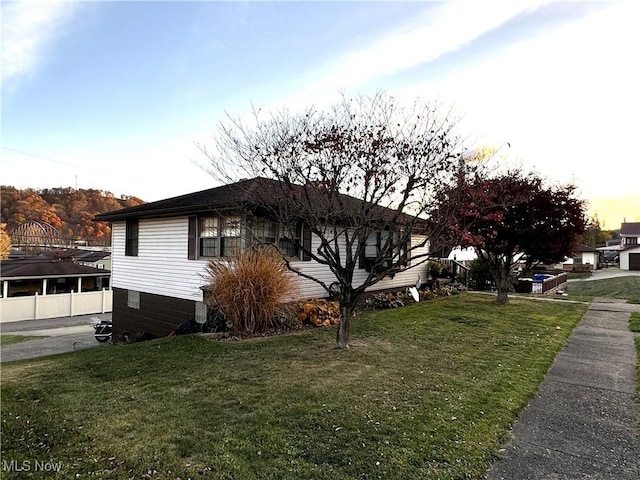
(69, 210)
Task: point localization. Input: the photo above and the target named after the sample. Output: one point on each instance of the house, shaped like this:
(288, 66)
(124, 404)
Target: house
(42, 275)
(90, 258)
(39, 287)
(630, 246)
(160, 251)
(585, 258)
(587, 255)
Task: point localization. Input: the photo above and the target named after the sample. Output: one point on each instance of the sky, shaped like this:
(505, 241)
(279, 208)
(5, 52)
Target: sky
(117, 95)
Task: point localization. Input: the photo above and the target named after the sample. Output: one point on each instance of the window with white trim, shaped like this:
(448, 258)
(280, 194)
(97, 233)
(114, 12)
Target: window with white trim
(285, 237)
(208, 237)
(216, 236)
(231, 236)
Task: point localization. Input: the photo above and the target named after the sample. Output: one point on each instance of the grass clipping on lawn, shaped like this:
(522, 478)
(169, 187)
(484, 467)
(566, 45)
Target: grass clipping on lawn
(427, 391)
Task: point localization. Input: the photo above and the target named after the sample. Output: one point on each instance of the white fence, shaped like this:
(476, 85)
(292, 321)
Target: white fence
(37, 307)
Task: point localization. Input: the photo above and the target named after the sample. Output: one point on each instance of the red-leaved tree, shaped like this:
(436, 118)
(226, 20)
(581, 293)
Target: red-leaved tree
(509, 217)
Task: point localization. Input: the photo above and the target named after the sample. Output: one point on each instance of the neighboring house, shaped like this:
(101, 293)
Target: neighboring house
(160, 251)
(90, 258)
(630, 246)
(585, 258)
(587, 255)
(41, 275)
(38, 287)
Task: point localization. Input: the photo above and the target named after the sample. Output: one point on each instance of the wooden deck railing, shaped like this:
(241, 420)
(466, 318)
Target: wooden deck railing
(549, 285)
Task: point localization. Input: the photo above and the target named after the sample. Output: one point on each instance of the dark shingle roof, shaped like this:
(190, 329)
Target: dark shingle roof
(226, 196)
(245, 194)
(40, 267)
(586, 248)
(78, 255)
(632, 228)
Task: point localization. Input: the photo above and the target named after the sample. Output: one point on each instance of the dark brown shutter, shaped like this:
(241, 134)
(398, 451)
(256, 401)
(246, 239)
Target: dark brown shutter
(306, 242)
(192, 243)
(407, 252)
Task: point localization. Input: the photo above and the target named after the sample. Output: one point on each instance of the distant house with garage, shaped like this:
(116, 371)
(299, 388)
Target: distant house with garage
(160, 251)
(630, 246)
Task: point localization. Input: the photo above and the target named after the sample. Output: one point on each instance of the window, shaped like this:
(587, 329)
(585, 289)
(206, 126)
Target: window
(264, 230)
(397, 252)
(214, 236)
(287, 237)
(131, 235)
(231, 238)
(208, 237)
(289, 241)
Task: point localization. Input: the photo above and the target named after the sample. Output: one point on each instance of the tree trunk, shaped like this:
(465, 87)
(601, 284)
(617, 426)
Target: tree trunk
(503, 283)
(503, 292)
(342, 336)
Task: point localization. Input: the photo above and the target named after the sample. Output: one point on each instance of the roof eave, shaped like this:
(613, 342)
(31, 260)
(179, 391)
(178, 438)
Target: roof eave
(170, 212)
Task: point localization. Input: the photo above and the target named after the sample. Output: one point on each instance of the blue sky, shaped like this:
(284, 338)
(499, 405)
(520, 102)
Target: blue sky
(115, 95)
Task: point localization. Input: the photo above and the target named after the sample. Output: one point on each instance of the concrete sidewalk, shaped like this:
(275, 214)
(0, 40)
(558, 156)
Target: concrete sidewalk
(583, 422)
(59, 335)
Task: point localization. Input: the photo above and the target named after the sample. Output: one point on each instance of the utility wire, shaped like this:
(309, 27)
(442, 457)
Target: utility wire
(50, 159)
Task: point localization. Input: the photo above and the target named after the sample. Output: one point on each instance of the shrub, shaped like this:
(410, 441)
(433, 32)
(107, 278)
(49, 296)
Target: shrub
(480, 277)
(384, 300)
(435, 268)
(250, 290)
(320, 313)
(401, 298)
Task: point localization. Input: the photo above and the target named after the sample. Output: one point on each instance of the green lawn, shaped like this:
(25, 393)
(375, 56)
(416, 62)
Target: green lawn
(428, 391)
(7, 339)
(625, 288)
(638, 370)
(634, 323)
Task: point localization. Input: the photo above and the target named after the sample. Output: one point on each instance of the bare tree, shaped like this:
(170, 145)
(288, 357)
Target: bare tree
(359, 175)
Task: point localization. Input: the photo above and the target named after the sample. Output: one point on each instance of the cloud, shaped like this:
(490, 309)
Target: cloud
(442, 29)
(28, 30)
(566, 100)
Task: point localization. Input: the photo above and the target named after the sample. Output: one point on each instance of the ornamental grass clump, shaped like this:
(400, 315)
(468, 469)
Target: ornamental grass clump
(250, 290)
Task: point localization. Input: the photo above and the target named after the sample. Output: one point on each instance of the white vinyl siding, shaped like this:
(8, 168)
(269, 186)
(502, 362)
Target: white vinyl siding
(162, 266)
(625, 263)
(404, 278)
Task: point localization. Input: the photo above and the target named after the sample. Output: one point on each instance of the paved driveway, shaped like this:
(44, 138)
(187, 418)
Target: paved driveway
(610, 272)
(65, 334)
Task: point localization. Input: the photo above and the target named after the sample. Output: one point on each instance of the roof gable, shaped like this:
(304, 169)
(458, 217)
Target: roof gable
(632, 229)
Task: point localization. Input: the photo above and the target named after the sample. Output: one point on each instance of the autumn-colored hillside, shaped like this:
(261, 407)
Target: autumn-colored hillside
(69, 210)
